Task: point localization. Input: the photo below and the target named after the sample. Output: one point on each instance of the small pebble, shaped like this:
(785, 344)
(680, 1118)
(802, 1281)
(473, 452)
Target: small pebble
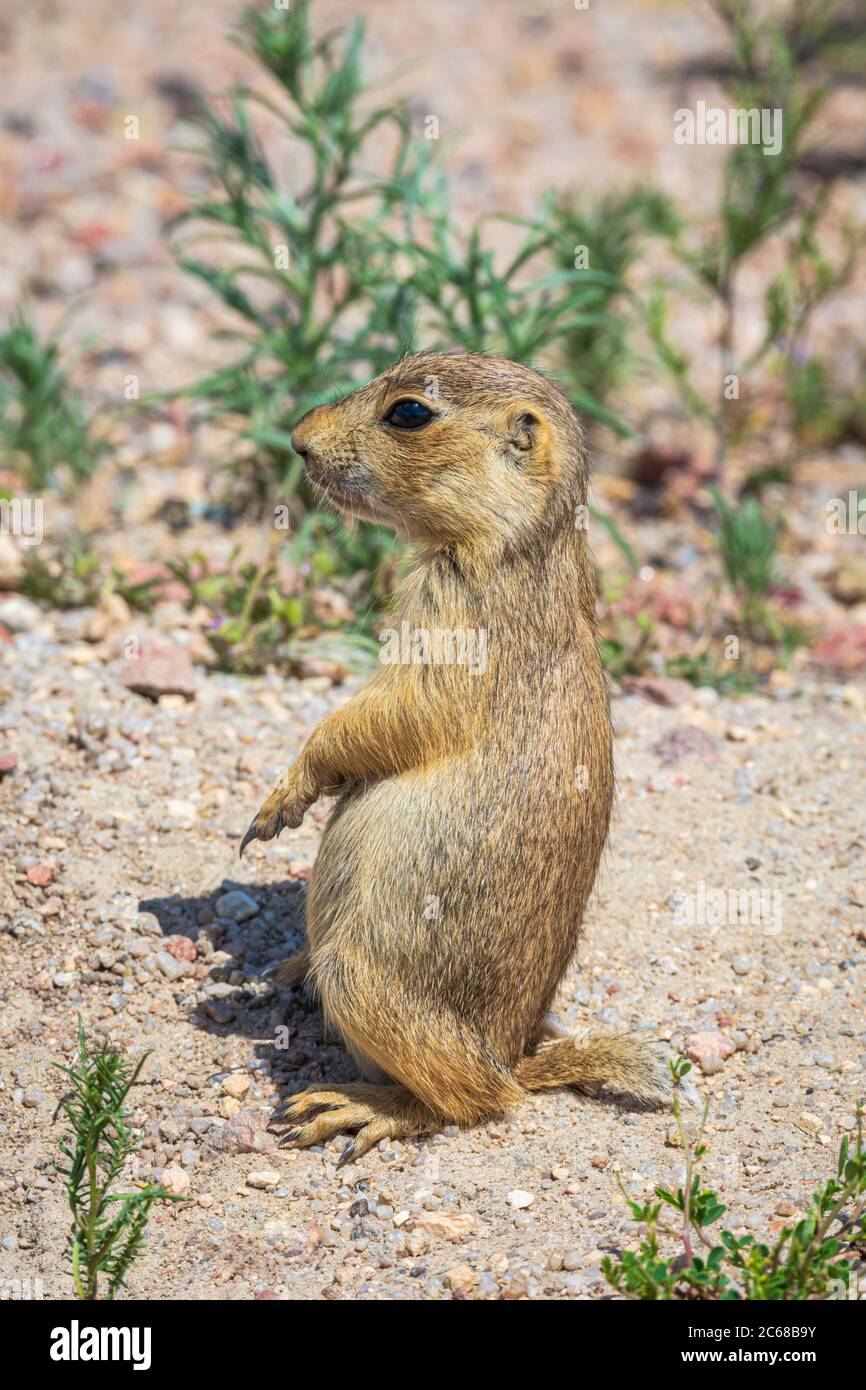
(519, 1199)
(263, 1178)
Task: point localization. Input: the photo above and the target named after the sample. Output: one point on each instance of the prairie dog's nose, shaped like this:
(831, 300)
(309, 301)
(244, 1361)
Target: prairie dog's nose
(304, 433)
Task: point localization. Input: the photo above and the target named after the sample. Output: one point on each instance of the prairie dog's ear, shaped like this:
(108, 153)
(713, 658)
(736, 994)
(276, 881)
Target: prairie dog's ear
(529, 435)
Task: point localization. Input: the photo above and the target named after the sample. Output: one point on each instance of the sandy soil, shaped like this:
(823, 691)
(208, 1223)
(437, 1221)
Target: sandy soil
(120, 820)
(129, 813)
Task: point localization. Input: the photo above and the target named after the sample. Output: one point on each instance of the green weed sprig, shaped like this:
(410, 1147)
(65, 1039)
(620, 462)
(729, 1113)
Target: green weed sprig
(764, 197)
(108, 1227)
(45, 433)
(333, 272)
(807, 1260)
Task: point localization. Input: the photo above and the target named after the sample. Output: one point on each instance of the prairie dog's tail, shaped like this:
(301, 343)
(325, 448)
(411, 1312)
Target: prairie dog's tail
(632, 1066)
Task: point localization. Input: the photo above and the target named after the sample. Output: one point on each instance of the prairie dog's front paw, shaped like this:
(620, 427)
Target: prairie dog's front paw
(283, 810)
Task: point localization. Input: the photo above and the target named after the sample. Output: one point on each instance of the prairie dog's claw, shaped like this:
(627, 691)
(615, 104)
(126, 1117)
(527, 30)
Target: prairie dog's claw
(252, 834)
(283, 810)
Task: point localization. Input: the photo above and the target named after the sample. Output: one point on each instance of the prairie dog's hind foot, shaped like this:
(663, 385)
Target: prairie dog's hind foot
(369, 1113)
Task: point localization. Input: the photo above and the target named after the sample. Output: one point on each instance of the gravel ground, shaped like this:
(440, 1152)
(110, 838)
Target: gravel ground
(121, 812)
(124, 901)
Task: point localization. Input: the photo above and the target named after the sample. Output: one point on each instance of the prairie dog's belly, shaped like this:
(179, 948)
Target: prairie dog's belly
(388, 851)
(465, 876)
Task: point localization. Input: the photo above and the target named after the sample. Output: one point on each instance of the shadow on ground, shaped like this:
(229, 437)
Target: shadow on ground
(236, 997)
(284, 1027)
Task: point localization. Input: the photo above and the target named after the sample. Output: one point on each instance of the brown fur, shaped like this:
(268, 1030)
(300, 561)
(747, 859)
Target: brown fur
(446, 899)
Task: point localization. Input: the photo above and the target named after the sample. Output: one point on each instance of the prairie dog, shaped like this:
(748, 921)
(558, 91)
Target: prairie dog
(474, 795)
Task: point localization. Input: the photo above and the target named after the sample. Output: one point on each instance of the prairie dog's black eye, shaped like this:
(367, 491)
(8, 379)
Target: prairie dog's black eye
(408, 415)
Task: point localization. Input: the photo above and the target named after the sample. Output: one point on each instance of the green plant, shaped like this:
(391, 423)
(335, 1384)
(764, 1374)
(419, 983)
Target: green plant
(336, 272)
(748, 545)
(108, 1227)
(626, 643)
(701, 668)
(617, 535)
(255, 624)
(823, 412)
(309, 271)
(538, 308)
(763, 197)
(45, 433)
(75, 576)
(807, 1260)
(336, 275)
(807, 281)
(611, 235)
(809, 399)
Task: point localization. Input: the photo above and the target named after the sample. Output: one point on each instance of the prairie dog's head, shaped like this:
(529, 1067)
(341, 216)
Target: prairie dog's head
(450, 450)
